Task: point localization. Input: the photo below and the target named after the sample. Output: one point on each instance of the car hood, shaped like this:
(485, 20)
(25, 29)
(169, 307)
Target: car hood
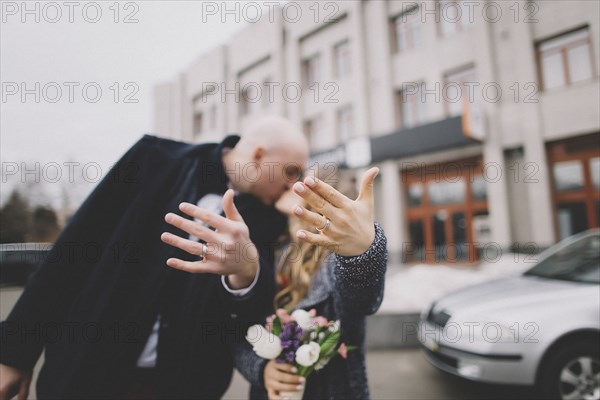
(522, 297)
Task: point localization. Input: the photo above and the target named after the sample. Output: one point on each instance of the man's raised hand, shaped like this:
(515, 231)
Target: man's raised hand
(228, 250)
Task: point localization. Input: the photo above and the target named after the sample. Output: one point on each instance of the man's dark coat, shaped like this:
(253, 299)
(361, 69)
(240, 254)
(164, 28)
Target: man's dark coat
(92, 303)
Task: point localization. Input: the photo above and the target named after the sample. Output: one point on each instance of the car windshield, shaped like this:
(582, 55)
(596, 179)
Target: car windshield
(578, 261)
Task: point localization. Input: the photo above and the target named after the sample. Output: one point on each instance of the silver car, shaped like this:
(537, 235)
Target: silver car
(540, 328)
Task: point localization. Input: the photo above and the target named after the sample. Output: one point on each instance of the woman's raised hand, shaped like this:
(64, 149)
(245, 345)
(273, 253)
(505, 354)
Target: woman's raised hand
(345, 226)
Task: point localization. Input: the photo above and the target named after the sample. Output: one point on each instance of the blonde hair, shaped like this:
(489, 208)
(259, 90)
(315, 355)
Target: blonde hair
(298, 264)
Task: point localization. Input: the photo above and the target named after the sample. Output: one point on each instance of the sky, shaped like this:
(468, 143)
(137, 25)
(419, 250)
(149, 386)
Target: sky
(73, 121)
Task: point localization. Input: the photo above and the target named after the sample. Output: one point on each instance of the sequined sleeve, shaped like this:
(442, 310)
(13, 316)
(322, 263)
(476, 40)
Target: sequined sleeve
(359, 280)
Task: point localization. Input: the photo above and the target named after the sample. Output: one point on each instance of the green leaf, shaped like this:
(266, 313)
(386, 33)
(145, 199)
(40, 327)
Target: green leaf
(330, 343)
(277, 328)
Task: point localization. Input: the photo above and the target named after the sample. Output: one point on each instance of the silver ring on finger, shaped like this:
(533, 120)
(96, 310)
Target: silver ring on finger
(203, 251)
(325, 227)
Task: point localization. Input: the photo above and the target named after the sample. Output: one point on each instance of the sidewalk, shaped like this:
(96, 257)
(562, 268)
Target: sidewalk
(411, 289)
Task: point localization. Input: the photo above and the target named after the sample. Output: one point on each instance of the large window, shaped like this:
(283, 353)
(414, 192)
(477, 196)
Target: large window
(250, 99)
(342, 60)
(566, 59)
(313, 130)
(311, 70)
(458, 89)
(407, 29)
(411, 107)
(455, 15)
(575, 169)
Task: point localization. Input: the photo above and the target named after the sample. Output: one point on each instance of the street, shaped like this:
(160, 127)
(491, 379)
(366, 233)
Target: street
(393, 374)
(406, 374)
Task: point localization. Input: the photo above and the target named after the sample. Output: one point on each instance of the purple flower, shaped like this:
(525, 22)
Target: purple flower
(290, 356)
(290, 335)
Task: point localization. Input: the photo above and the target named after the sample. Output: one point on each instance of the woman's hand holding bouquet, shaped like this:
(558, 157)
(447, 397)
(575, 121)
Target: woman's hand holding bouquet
(297, 345)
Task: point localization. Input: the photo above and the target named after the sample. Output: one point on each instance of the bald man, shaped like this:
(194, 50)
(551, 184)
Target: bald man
(113, 320)
(272, 154)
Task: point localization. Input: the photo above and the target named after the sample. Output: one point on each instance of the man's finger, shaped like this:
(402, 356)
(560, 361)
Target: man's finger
(366, 185)
(326, 191)
(191, 227)
(208, 217)
(231, 211)
(189, 246)
(196, 267)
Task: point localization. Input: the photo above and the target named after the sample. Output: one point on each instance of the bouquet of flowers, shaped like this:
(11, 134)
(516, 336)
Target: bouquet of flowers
(303, 339)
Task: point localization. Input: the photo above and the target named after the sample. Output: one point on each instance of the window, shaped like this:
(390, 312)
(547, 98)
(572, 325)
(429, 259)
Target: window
(312, 130)
(311, 70)
(249, 98)
(565, 59)
(458, 89)
(479, 188)
(407, 30)
(345, 124)
(595, 171)
(244, 105)
(342, 61)
(568, 176)
(414, 194)
(412, 109)
(197, 129)
(454, 16)
(447, 192)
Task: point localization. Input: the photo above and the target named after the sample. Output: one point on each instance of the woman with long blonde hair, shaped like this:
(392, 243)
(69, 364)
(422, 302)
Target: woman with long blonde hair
(335, 263)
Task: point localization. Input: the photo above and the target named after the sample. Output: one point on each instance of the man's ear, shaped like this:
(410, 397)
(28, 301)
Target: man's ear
(259, 153)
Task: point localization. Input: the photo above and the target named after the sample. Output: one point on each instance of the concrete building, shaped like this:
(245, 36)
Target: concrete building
(483, 116)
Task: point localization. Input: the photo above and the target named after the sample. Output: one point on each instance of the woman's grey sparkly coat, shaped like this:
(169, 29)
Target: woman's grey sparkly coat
(346, 289)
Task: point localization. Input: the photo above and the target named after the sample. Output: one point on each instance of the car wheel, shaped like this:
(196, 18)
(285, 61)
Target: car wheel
(573, 373)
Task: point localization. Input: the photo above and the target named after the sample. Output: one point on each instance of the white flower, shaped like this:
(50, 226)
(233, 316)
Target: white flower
(303, 319)
(308, 354)
(334, 327)
(322, 363)
(264, 343)
(321, 335)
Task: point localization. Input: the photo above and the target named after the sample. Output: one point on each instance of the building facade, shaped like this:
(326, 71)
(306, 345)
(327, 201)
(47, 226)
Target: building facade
(483, 116)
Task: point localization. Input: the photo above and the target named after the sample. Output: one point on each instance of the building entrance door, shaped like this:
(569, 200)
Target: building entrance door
(575, 168)
(446, 212)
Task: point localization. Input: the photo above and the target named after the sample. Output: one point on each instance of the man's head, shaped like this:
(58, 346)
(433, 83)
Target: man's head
(269, 158)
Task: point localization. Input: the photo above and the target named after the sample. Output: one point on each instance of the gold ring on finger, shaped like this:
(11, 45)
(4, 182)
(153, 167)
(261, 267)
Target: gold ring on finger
(326, 226)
